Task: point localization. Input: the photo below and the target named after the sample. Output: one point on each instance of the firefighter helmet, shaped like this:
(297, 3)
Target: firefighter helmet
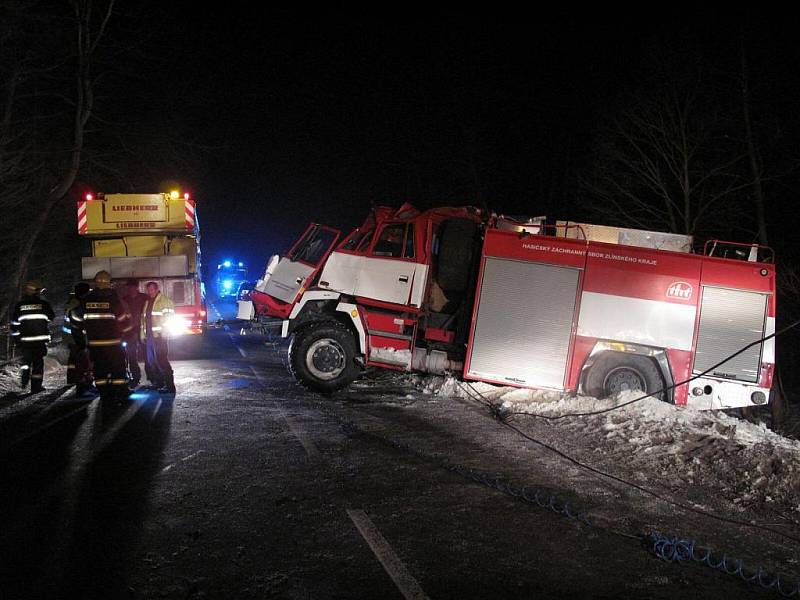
(102, 279)
(34, 286)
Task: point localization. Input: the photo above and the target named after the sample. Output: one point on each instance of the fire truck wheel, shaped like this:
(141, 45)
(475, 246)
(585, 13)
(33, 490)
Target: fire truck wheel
(322, 357)
(616, 372)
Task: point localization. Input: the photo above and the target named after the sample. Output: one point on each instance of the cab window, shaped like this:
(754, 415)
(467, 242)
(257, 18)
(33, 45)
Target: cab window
(364, 244)
(395, 241)
(312, 249)
(178, 292)
(356, 240)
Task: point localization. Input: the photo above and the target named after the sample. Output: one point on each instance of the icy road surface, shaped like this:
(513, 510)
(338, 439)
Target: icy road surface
(247, 486)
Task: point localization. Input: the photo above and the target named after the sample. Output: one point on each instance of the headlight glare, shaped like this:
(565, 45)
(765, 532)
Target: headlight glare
(176, 325)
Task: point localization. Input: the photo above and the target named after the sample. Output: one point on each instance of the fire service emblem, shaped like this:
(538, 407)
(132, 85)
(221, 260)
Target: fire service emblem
(679, 289)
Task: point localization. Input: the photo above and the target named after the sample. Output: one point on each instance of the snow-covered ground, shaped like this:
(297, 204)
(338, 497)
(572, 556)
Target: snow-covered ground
(705, 454)
(55, 374)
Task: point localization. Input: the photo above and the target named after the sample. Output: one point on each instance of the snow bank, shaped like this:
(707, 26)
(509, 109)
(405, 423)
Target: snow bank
(55, 375)
(743, 462)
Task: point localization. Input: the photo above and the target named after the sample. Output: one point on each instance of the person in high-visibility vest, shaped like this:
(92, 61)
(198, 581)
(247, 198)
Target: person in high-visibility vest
(106, 321)
(79, 369)
(30, 328)
(157, 311)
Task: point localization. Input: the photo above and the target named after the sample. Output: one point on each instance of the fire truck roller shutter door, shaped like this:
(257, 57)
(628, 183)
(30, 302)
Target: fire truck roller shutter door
(615, 372)
(522, 329)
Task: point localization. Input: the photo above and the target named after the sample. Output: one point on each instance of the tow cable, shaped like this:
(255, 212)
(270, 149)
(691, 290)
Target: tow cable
(666, 548)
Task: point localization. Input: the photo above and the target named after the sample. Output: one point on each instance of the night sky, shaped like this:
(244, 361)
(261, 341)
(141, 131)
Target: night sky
(314, 117)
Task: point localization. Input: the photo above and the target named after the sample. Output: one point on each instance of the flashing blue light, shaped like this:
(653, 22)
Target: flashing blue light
(227, 284)
(227, 263)
(241, 264)
(138, 396)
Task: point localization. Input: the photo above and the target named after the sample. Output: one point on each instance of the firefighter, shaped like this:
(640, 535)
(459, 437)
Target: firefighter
(157, 310)
(136, 301)
(106, 321)
(30, 328)
(79, 371)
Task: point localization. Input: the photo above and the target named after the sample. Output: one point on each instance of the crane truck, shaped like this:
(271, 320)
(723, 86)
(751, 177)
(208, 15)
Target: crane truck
(148, 237)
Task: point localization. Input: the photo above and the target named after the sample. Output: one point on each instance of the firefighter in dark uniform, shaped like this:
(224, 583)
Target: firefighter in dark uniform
(79, 370)
(30, 327)
(106, 321)
(136, 301)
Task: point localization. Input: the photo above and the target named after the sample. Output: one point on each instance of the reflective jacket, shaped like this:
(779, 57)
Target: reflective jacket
(73, 323)
(155, 314)
(104, 318)
(30, 321)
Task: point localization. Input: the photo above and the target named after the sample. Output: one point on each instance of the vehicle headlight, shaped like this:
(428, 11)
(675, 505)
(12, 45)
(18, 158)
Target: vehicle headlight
(227, 284)
(176, 325)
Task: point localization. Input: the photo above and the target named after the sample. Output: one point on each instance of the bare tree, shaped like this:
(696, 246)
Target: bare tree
(664, 158)
(683, 154)
(46, 101)
(87, 37)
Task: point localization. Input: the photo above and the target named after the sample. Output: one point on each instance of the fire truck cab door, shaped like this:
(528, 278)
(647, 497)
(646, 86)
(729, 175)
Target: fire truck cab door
(298, 267)
(388, 281)
(389, 273)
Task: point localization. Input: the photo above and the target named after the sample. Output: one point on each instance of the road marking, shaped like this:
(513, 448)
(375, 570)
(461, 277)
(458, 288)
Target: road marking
(184, 459)
(297, 430)
(300, 434)
(392, 564)
(238, 347)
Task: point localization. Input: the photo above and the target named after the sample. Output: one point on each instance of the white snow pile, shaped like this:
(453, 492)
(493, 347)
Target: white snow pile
(708, 453)
(55, 375)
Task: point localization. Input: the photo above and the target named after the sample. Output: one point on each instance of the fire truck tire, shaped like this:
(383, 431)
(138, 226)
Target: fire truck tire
(322, 357)
(614, 372)
(454, 263)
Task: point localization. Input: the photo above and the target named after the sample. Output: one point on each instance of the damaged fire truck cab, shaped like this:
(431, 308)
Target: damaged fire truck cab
(525, 304)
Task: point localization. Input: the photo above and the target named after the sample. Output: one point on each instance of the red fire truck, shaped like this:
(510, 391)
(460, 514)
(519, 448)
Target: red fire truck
(561, 306)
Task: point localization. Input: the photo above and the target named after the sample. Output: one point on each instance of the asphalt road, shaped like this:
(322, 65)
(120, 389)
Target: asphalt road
(247, 486)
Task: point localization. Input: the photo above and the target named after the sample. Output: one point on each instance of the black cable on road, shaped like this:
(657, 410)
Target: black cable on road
(502, 418)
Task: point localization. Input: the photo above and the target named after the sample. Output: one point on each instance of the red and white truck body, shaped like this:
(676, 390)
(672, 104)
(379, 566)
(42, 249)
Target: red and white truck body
(525, 304)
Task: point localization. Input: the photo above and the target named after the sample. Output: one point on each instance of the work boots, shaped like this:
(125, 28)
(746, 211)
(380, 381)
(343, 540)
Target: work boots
(169, 387)
(25, 376)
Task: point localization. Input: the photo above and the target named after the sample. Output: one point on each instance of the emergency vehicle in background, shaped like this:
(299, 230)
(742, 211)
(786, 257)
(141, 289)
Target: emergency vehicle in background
(557, 306)
(148, 237)
(230, 275)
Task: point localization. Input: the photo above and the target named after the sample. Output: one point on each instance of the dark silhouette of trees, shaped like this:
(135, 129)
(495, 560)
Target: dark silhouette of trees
(665, 158)
(83, 106)
(690, 148)
(48, 99)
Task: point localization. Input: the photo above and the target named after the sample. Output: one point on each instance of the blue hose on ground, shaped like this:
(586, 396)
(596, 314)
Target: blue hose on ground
(675, 549)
